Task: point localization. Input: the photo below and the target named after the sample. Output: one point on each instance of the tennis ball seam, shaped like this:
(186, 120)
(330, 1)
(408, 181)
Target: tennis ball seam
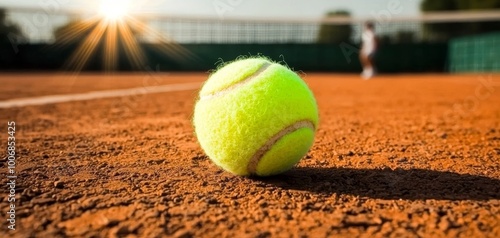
(259, 154)
(238, 84)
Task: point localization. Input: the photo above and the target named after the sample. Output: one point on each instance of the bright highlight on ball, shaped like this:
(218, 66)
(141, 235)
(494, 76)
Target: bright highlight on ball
(255, 117)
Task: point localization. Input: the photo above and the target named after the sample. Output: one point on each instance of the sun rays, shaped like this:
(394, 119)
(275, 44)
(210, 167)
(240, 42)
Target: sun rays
(115, 33)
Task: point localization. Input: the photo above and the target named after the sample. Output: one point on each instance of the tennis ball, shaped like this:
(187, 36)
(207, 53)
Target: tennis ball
(255, 117)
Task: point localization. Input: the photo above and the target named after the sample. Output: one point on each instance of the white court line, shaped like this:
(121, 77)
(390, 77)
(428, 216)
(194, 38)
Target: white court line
(43, 100)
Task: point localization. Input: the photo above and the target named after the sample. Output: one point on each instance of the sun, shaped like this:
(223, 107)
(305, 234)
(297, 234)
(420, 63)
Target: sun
(114, 10)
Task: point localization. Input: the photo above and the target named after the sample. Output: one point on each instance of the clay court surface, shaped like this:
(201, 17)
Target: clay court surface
(400, 156)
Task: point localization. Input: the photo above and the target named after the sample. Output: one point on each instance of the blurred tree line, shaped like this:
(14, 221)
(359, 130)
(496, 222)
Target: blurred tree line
(458, 5)
(8, 32)
(445, 31)
(335, 33)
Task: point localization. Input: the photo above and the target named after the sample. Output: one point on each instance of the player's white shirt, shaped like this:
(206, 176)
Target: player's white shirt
(368, 40)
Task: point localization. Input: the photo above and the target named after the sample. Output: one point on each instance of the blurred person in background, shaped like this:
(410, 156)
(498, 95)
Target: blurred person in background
(368, 49)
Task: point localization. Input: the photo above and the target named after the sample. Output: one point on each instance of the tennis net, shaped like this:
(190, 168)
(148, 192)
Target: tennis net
(426, 28)
(435, 27)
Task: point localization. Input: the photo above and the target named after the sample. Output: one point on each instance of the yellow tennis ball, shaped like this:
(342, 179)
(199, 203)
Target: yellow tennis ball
(255, 117)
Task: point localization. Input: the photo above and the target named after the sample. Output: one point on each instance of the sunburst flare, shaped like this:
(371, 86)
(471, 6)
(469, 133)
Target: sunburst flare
(115, 30)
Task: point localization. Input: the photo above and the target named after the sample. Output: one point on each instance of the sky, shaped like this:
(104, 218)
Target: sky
(239, 8)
